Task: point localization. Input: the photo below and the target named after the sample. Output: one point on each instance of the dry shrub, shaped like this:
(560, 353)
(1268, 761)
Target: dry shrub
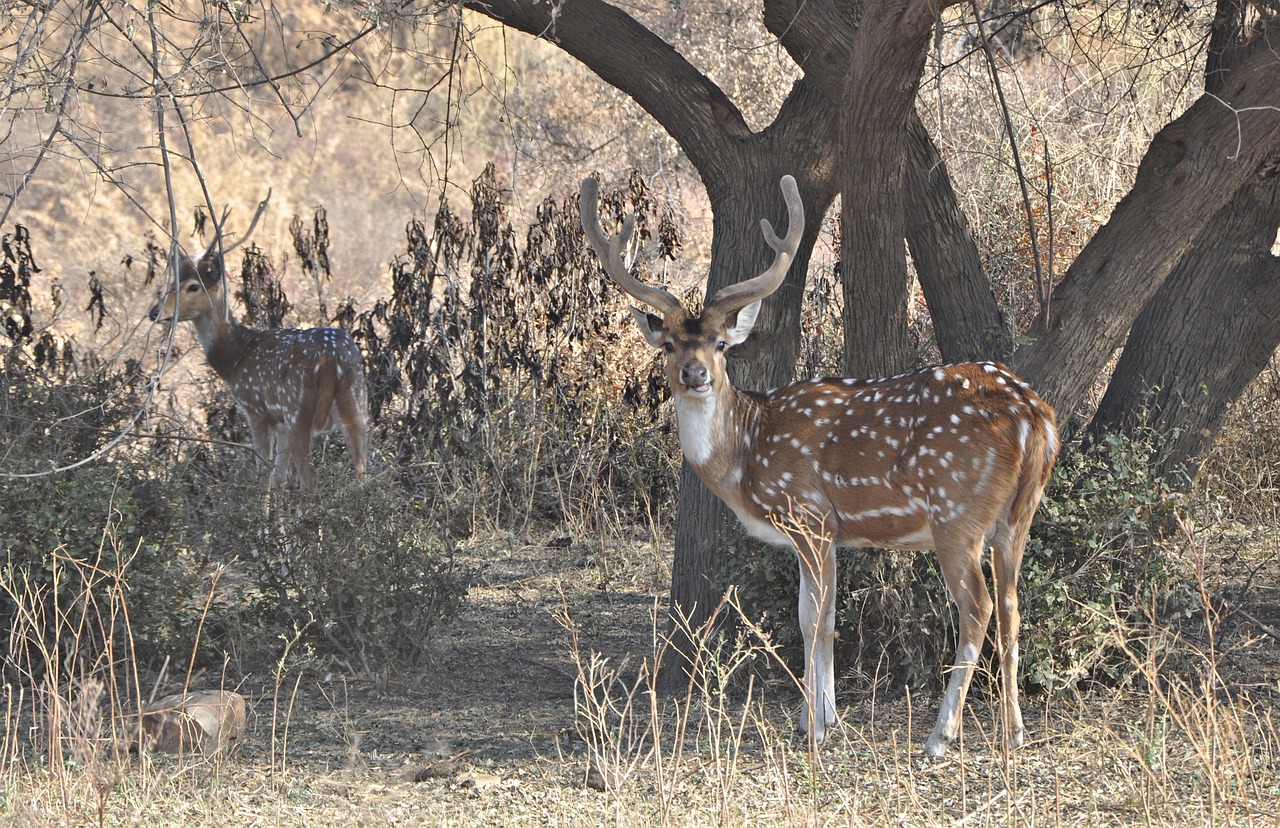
(1239, 473)
(503, 369)
(58, 409)
(365, 571)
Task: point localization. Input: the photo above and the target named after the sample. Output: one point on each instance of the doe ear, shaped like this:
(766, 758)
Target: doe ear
(650, 326)
(737, 333)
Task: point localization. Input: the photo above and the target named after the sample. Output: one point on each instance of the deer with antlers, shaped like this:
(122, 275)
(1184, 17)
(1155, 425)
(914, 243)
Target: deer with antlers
(290, 384)
(951, 458)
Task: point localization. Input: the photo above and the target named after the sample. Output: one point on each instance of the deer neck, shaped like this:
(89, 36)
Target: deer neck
(223, 341)
(711, 432)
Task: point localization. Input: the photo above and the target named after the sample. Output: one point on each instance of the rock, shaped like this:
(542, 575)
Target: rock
(209, 722)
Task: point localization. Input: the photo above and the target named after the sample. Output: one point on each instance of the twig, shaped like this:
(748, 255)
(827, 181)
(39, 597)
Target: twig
(1253, 619)
(1041, 290)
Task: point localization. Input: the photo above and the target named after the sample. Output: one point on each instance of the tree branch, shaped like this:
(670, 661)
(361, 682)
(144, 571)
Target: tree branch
(631, 58)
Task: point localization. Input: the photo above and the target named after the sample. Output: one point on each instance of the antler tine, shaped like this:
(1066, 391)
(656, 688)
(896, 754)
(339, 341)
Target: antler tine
(262, 205)
(609, 250)
(217, 232)
(742, 294)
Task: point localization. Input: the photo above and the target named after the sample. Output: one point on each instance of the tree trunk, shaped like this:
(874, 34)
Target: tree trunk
(1194, 166)
(1206, 334)
(741, 170)
(877, 102)
(967, 321)
(766, 360)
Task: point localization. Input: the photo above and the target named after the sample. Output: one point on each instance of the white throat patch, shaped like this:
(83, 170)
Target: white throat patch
(695, 418)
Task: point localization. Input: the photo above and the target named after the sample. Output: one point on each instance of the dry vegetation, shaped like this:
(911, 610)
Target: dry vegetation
(535, 507)
(536, 697)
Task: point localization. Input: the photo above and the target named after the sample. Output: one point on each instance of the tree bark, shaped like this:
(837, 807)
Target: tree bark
(1209, 330)
(967, 321)
(877, 101)
(1194, 166)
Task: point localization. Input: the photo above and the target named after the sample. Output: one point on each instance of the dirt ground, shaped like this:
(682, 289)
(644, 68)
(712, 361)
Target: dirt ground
(488, 735)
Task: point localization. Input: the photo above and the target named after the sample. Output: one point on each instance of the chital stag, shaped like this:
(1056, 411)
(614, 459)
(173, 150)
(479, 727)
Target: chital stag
(952, 458)
(291, 384)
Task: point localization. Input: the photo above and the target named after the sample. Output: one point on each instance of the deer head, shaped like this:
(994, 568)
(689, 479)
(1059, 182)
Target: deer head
(200, 284)
(695, 345)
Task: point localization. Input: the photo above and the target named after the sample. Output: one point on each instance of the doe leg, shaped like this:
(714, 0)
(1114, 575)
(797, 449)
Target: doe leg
(1009, 546)
(353, 413)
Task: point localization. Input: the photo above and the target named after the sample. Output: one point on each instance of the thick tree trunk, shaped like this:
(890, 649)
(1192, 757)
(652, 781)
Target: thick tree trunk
(967, 321)
(1194, 166)
(877, 101)
(768, 357)
(1205, 335)
(741, 170)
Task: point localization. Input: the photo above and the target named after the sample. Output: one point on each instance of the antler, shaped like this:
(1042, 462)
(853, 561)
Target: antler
(735, 297)
(609, 250)
(253, 223)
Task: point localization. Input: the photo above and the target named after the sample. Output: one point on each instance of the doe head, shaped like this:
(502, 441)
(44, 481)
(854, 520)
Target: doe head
(201, 281)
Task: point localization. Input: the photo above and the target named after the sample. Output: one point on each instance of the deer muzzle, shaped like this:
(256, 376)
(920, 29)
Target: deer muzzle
(694, 376)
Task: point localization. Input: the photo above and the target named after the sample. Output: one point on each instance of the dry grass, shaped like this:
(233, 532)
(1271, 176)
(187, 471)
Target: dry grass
(538, 710)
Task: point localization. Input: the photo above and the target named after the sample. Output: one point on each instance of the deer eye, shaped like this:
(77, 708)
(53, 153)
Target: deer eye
(721, 345)
(669, 347)
(192, 287)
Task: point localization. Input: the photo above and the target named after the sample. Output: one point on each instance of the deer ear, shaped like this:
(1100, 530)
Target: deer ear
(737, 333)
(650, 326)
(210, 269)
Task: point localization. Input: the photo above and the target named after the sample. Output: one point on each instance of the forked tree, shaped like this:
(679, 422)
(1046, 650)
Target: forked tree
(950, 458)
(290, 384)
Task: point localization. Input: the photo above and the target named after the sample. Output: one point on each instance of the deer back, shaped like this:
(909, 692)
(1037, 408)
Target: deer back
(887, 462)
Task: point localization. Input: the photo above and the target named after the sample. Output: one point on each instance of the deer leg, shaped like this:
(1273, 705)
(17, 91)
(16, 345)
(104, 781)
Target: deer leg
(962, 571)
(279, 455)
(315, 406)
(817, 615)
(1008, 544)
(300, 449)
(260, 433)
(355, 424)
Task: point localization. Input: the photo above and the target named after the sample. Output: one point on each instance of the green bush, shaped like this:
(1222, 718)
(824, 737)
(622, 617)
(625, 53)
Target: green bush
(1097, 562)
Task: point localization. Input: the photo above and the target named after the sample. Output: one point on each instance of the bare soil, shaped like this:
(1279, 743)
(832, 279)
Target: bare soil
(488, 735)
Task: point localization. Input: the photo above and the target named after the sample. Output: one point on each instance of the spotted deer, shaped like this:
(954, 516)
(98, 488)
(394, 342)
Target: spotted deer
(952, 458)
(290, 384)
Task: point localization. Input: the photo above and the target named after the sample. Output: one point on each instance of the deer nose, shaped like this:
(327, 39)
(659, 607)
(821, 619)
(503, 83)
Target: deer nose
(153, 313)
(694, 375)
